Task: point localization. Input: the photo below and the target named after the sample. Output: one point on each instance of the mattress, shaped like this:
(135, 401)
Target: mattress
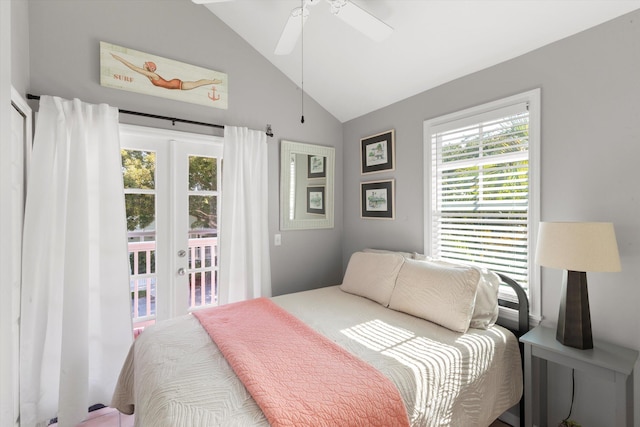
(175, 375)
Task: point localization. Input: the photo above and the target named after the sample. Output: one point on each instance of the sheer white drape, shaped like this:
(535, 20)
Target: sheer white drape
(76, 324)
(245, 269)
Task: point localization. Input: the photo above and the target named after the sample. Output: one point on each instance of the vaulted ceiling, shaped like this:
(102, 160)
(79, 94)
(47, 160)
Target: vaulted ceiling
(433, 42)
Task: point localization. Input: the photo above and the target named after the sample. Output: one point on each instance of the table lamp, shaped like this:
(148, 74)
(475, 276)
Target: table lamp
(576, 247)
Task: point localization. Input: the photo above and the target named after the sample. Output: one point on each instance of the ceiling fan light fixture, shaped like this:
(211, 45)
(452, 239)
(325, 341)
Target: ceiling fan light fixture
(361, 20)
(348, 12)
(336, 5)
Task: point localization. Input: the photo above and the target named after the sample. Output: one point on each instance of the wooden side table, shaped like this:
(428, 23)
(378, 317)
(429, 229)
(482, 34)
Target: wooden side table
(606, 361)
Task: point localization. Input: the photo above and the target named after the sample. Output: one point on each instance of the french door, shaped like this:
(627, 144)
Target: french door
(172, 195)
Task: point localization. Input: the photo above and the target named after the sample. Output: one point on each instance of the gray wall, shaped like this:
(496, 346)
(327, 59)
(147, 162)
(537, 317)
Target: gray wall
(19, 45)
(64, 61)
(590, 89)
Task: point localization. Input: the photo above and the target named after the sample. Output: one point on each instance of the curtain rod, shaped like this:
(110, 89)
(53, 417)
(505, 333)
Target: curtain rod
(173, 120)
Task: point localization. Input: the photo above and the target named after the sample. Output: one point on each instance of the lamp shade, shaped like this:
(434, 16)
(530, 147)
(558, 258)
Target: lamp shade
(578, 246)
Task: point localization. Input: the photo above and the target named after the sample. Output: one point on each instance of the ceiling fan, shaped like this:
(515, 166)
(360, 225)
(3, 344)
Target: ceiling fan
(346, 10)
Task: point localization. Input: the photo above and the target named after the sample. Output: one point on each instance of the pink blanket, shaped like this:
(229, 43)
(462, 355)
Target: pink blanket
(297, 376)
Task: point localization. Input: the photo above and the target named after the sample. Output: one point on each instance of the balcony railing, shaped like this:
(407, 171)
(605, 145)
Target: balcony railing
(202, 274)
(142, 278)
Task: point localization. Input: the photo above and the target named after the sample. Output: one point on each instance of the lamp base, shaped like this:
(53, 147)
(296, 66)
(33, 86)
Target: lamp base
(574, 319)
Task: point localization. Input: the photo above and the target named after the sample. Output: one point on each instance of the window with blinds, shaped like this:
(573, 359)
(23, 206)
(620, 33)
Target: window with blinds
(480, 188)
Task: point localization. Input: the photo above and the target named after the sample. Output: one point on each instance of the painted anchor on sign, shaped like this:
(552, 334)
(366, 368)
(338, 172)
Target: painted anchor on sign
(212, 95)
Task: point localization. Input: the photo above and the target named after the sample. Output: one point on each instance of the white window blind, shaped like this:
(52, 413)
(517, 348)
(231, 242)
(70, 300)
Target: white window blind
(480, 190)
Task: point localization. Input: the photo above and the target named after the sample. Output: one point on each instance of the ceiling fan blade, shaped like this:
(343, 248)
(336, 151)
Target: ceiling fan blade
(209, 1)
(291, 32)
(361, 20)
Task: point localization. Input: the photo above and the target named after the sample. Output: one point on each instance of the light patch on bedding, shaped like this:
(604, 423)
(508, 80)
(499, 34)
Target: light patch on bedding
(437, 368)
(378, 335)
(481, 350)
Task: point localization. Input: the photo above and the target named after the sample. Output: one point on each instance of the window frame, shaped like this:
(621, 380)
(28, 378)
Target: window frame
(532, 99)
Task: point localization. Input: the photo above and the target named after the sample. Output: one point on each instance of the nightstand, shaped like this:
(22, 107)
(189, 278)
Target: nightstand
(607, 361)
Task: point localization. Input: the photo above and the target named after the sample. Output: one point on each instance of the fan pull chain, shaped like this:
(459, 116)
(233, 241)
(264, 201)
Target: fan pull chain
(302, 60)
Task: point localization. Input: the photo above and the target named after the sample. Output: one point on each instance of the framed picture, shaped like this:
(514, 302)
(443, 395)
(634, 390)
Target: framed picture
(377, 199)
(316, 166)
(135, 71)
(378, 152)
(315, 200)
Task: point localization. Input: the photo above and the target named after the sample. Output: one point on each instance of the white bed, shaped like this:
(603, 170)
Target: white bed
(176, 376)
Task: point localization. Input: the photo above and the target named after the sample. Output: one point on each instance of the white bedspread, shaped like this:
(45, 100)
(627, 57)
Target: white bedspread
(175, 375)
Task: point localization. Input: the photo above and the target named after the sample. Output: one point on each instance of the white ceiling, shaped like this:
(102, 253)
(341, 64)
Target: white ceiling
(434, 41)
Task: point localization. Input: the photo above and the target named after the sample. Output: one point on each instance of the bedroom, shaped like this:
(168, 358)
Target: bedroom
(589, 88)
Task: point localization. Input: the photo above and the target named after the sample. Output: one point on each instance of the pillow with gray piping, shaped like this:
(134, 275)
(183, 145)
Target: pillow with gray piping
(438, 293)
(486, 309)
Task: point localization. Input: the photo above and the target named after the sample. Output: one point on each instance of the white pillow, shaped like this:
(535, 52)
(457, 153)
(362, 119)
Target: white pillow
(441, 294)
(372, 275)
(486, 310)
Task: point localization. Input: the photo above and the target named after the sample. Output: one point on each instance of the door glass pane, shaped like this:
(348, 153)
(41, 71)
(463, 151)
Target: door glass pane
(138, 173)
(203, 241)
(138, 169)
(203, 173)
(203, 231)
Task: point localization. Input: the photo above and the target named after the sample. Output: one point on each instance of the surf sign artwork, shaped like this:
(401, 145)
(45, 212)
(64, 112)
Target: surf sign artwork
(135, 71)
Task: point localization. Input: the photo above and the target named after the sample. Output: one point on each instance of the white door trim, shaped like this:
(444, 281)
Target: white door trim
(166, 144)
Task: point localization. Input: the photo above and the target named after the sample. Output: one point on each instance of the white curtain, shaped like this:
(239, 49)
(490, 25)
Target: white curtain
(76, 324)
(245, 269)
